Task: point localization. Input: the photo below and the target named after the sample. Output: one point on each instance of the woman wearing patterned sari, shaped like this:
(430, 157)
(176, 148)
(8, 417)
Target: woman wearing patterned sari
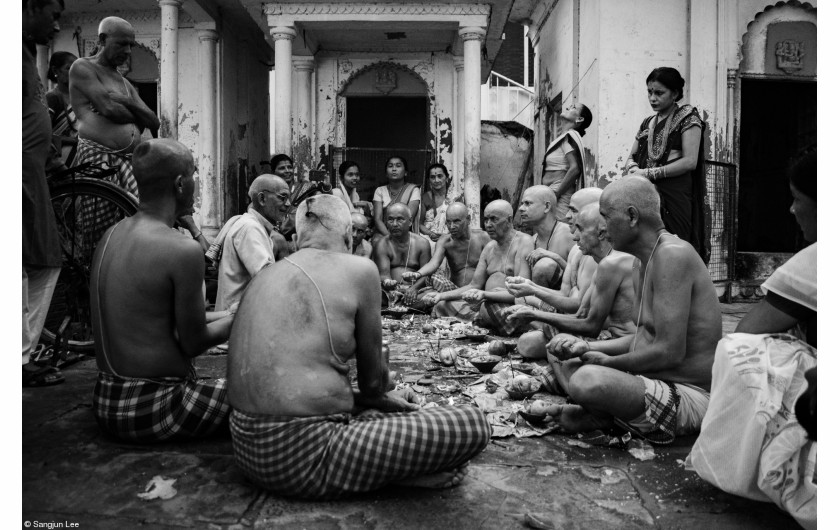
(668, 151)
(63, 118)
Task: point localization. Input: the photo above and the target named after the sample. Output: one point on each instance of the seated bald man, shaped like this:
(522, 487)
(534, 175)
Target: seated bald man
(656, 380)
(577, 276)
(299, 325)
(401, 251)
(461, 248)
(552, 239)
(611, 307)
(501, 257)
(361, 247)
(148, 314)
(248, 246)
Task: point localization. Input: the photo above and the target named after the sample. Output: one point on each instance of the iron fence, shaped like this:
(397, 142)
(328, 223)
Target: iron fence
(721, 188)
(372, 162)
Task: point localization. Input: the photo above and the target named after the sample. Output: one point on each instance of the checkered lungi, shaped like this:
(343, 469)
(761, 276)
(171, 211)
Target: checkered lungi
(160, 409)
(96, 215)
(441, 283)
(500, 324)
(326, 456)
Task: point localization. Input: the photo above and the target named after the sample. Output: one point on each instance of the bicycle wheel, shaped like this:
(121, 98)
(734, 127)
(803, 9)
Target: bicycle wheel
(84, 209)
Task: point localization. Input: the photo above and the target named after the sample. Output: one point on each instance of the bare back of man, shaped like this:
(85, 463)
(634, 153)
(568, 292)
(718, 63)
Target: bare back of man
(300, 376)
(138, 270)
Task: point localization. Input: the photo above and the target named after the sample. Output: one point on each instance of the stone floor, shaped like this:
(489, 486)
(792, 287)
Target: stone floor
(72, 473)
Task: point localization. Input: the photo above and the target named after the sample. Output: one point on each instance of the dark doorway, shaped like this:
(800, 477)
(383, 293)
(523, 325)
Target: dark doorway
(381, 127)
(148, 93)
(778, 119)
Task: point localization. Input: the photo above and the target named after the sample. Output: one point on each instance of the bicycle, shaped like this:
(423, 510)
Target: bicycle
(85, 206)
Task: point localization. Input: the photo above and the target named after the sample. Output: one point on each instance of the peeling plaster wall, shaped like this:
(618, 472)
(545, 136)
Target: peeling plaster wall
(503, 155)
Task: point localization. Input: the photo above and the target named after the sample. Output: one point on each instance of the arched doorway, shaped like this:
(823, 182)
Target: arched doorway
(778, 118)
(387, 112)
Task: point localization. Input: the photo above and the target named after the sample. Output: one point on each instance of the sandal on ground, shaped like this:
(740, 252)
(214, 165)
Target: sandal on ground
(43, 376)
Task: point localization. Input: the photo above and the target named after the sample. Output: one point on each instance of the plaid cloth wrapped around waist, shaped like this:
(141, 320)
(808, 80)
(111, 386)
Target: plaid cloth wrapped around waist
(160, 409)
(326, 456)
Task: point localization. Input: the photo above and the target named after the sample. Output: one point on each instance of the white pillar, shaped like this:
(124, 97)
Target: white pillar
(283, 37)
(302, 123)
(472, 36)
(210, 182)
(458, 129)
(169, 67)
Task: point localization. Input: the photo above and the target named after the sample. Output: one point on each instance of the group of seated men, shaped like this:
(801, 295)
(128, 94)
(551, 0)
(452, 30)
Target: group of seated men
(625, 312)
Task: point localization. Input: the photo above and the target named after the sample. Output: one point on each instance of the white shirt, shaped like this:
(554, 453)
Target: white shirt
(246, 250)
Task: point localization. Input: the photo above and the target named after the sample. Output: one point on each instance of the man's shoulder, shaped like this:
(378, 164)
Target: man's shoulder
(618, 260)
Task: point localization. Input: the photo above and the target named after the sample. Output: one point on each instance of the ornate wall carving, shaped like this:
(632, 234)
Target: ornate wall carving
(376, 9)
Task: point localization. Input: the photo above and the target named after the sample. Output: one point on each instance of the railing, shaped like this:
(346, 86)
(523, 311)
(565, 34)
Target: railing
(722, 192)
(372, 162)
(503, 99)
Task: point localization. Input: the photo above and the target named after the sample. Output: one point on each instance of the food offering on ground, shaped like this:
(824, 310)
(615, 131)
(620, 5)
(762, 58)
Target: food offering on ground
(521, 387)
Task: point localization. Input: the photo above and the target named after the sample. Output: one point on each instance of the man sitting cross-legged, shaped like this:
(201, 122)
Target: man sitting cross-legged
(361, 247)
(577, 275)
(552, 239)
(299, 324)
(461, 248)
(401, 251)
(656, 380)
(502, 257)
(611, 301)
(148, 312)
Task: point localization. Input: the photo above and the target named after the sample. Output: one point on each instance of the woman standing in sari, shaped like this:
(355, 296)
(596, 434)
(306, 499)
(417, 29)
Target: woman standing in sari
(668, 151)
(564, 166)
(64, 127)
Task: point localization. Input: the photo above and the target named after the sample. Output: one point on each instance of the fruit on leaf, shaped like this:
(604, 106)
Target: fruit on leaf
(497, 347)
(428, 328)
(448, 356)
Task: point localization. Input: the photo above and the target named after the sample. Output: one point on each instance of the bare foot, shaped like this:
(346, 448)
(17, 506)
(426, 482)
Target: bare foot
(574, 419)
(440, 480)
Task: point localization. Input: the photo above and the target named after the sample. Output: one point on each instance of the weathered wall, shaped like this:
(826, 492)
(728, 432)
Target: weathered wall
(504, 155)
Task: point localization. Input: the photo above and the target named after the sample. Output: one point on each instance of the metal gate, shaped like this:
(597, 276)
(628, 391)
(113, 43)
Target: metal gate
(372, 162)
(721, 188)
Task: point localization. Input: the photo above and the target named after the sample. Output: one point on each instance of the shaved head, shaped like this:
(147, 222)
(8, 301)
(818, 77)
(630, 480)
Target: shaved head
(111, 25)
(457, 210)
(500, 207)
(590, 216)
(542, 194)
(323, 218)
(157, 163)
(358, 220)
(633, 191)
(266, 182)
(395, 207)
(586, 196)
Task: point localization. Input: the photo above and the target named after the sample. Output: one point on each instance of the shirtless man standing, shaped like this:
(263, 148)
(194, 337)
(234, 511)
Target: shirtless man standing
(658, 379)
(292, 424)
(502, 257)
(110, 113)
(148, 312)
(401, 251)
(612, 293)
(461, 248)
(552, 239)
(577, 276)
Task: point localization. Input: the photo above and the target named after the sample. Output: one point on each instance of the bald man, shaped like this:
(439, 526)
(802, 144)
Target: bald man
(293, 423)
(501, 257)
(111, 116)
(612, 294)
(461, 248)
(247, 247)
(360, 227)
(577, 275)
(399, 252)
(657, 380)
(148, 312)
(552, 239)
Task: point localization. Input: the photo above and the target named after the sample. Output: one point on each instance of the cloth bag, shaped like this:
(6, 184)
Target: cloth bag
(750, 443)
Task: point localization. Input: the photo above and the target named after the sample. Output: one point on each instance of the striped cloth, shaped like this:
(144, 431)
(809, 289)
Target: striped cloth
(162, 409)
(324, 457)
(662, 402)
(441, 283)
(97, 215)
(500, 324)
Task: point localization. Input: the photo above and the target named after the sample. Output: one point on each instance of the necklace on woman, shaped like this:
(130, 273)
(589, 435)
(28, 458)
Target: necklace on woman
(399, 193)
(644, 282)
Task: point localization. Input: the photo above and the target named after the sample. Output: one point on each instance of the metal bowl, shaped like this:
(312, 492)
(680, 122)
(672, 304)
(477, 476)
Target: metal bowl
(485, 363)
(533, 418)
